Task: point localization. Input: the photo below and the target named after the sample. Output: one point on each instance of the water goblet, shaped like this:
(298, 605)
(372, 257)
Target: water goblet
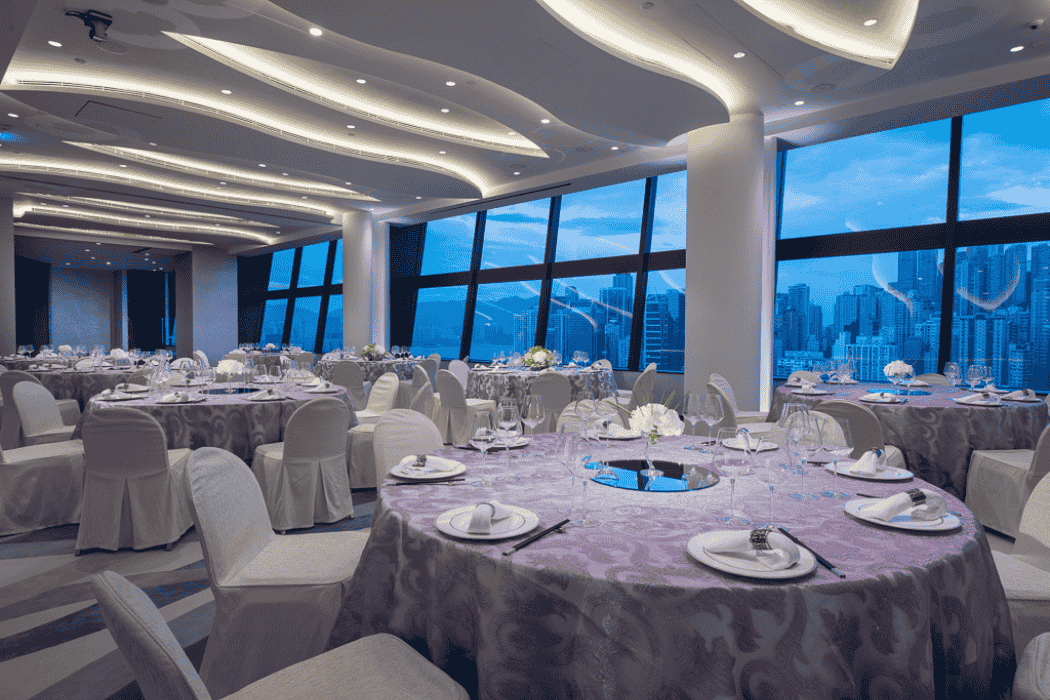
(711, 412)
(771, 471)
(533, 413)
(840, 452)
(731, 464)
(275, 373)
(691, 411)
(508, 428)
(482, 437)
(576, 463)
(974, 376)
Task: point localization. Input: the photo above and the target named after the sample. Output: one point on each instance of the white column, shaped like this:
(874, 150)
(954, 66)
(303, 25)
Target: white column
(206, 303)
(381, 282)
(7, 276)
(727, 229)
(358, 261)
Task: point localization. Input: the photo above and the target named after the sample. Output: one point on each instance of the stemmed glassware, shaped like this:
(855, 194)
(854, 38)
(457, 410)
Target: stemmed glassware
(532, 414)
(575, 462)
(711, 412)
(606, 412)
(771, 472)
(951, 371)
(794, 422)
(845, 451)
(732, 464)
(508, 429)
(974, 375)
(482, 437)
(691, 409)
(275, 372)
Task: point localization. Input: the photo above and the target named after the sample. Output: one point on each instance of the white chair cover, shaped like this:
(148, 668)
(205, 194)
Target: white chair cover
(132, 483)
(642, 391)
(424, 399)
(730, 419)
(86, 363)
(796, 377)
(403, 432)
(360, 456)
(578, 414)
(865, 428)
(347, 373)
(10, 424)
(181, 363)
(39, 414)
(41, 486)
(380, 399)
(602, 364)
(262, 582)
(456, 429)
(201, 357)
(306, 357)
(461, 370)
(745, 416)
(935, 379)
(432, 364)
(377, 667)
(1025, 571)
(239, 356)
(999, 482)
(304, 479)
(1032, 680)
(556, 392)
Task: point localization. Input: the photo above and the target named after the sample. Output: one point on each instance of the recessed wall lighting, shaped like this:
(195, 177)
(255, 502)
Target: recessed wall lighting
(361, 81)
(57, 45)
(870, 22)
(799, 103)
(226, 92)
(450, 83)
(545, 121)
(1016, 49)
(444, 110)
(314, 31)
(12, 115)
(739, 54)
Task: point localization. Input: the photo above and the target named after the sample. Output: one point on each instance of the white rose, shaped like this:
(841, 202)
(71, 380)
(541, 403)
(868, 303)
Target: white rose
(540, 356)
(64, 348)
(229, 367)
(118, 353)
(270, 346)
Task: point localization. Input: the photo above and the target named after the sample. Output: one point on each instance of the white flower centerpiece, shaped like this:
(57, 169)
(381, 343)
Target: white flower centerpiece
(229, 367)
(374, 352)
(118, 354)
(65, 349)
(654, 420)
(269, 346)
(897, 371)
(538, 357)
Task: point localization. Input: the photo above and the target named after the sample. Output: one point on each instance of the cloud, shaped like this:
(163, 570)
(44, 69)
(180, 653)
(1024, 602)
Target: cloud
(1020, 194)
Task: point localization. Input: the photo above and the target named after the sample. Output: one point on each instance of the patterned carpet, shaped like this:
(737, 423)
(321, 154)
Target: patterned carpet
(53, 642)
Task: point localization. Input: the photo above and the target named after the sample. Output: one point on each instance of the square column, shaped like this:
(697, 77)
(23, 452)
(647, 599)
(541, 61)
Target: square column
(366, 286)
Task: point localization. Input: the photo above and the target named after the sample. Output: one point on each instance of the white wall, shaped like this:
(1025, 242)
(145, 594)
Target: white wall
(81, 307)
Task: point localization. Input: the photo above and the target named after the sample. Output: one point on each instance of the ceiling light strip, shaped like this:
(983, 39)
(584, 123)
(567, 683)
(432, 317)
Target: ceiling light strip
(109, 234)
(148, 208)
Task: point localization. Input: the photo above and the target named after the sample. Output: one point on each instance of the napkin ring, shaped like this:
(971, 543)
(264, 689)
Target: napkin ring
(917, 496)
(760, 538)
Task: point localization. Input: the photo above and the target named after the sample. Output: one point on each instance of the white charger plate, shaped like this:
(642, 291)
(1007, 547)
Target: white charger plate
(121, 397)
(192, 399)
(499, 446)
(959, 401)
(888, 474)
(597, 435)
(743, 566)
(455, 522)
(814, 392)
(279, 397)
(737, 444)
(872, 398)
(1033, 400)
(333, 390)
(443, 469)
(948, 521)
(135, 389)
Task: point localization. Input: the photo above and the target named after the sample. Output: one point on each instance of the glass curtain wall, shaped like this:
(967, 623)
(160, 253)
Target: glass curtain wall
(303, 301)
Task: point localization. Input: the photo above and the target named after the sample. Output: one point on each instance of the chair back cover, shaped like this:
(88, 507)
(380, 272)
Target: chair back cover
(830, 430)
(181, 363)
(1041, 459)
(935, 379)
(201, 357)
(124, 442)
(728, 412)
(11, 425)
(423, 399)
(161, 667)
(37, 408)
(141, 376)
(306, 357)
(556, 392)
(727, 391)
(384, 393)
(431, 365)
(348, 374)
(228, 509)
(1033, 537)
(642, 391)
(602, 364)
(452, 392)
(420, 376)
(460, 370)
(317, 430)
(798, 376)
(399, 433)
(239, 356)
(577, 414)
(864, 425)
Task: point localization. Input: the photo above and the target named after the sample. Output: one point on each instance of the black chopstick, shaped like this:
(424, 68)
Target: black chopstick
(432, 481)
(542, 533)
(821, 560)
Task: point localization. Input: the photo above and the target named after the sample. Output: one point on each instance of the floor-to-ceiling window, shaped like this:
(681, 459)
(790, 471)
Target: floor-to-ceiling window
(927, 243)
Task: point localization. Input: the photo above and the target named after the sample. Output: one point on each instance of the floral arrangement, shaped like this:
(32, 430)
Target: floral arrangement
(229, 367)
(538, 357)
(118, 354)
(374, 351)
(270, 346)
(897, 368)
(655, 420)
(65, 348)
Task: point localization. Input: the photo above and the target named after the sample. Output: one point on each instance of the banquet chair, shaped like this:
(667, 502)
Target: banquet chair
(347, 374)
(378, 666)
(866, 430)
(403, 432)
(935, 379)
(796, 377)
(10, 432)
(1032, 679)
(132, 483)
(181, 363)
(729, 418)
(1025, 571)
(41, 486)
(461, 370)
(39, 414)
(141, 376)
(742, 417)
(360, 456)
(642, 391)
(556, 394)
(432, 364)
(199, 356)
(262, 582)
(602, 364)
(999, 482)
(431, 406)
(238, 356)
(305, 357)
(304, 479)
(456, 429)
(578, 415)
(380, 399)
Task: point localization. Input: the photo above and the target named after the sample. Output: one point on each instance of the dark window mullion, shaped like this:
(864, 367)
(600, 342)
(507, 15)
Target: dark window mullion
(641, 281)
(326, 285)
(543, 313)
(472, 289)
(944, 347)
(296, 261)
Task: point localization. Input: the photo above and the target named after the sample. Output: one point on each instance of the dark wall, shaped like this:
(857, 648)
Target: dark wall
(406, 260)
(32, 302)
(145, 309)
(253, 279)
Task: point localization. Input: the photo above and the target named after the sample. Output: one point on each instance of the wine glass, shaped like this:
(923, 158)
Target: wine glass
(974, 375)
(951, 371)
(840, 452)
(771, 471)
(575, 462)
(532, 414)
(508, 429)
(798, 426)
(691, 408)
(711, 412)
(275, 372)
(732, 464)
(906, 379)
(482, 437)
(606, 412)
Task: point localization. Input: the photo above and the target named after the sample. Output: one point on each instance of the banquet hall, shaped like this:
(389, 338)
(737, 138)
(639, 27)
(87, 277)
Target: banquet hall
(680, 189)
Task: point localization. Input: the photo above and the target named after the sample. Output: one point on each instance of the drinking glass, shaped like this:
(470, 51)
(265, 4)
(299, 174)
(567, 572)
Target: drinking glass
(275, 372)
(951, 371)
(532, 414)
(508, 430)
(260, 374)
(711, 412)
(732, 464)
(575, 462)
(840, 453)
(584, 358)
(482, 437)
(771, 471)
(974, 375)
(606, 412)
(798, 426)
(691, 410)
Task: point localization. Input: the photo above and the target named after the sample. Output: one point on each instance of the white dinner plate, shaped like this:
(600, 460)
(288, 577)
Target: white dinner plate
(916, 382)
(959, 401)
(516, 445)
(888, 474)
(333, 390)
(456, 521)
(811, 392)
(597, 435)
(134, 388)
(742, 565)
(736, 443)
(874, 398)
(191, 399)
(118, 397)
(437, 468)
(1032, 400)
(266, 380)
(841, 383)
(277, 397)
(948, 521)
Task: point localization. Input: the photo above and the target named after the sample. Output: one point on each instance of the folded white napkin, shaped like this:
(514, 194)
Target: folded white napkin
(322, 386)
(1021, 394)
(880, 397)
(768, 547)
(311, 380)
(174, 397)
(571, 364)
(484, 515)
(919, 504)
(917, 382)
(868, 464)
(266, 394)
(618, 431)
(33, 367)
(979, 399)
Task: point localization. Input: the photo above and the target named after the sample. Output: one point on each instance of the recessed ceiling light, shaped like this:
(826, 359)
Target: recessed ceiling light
(12, 115)
(87, 250)
(98, 244)
(450, 83)
(870, 22)
(147, 255)
(152, 144)
(442, 152)
(510, 133)
(315, 31)
(305, 197)
(444, 110)
(92, 257)
(262, 165)
(419, 198)
(517, 173)
(739, 54)
(226, 92)
(799, 103)
(285, 174)
(146, 215)
(122, 165)
(361, 81)
(1016, 49)
(67, 264)
(350, 126)
(349, 183)
(545, 121)
(66, 206)
(108, 262)
(57, 45)
(222, 183)
(615, 148)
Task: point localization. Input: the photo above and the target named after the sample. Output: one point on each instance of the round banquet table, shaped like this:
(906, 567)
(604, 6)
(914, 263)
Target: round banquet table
(515, 383)
(229, 421)
(80, 385)
(937, 435)
(371, 371)
(23, 363)
(623, 611)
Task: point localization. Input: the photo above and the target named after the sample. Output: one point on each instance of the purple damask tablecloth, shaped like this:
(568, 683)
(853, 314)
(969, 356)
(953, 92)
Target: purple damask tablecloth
(937, 435)
(78, 384)
(623, 611)
(371, 371)
(231, 422)
(515, 383)
(23, 363)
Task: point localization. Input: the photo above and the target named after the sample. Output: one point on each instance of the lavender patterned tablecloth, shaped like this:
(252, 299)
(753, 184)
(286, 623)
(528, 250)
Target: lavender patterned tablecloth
(371, 371)
(937, 435)
(485, 384)
(78, 384)
(23, 363)
(231, 422)
(623, 611)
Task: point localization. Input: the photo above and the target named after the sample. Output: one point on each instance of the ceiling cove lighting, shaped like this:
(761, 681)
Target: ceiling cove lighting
(56, 44)
(105, 234)
(286, 126)
(1016, 49)
(136, 208)
(832, 27)
(154, 224)
(302, 78)
(213, 170)
(641, 44)
(314, 31)
(91, 170)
